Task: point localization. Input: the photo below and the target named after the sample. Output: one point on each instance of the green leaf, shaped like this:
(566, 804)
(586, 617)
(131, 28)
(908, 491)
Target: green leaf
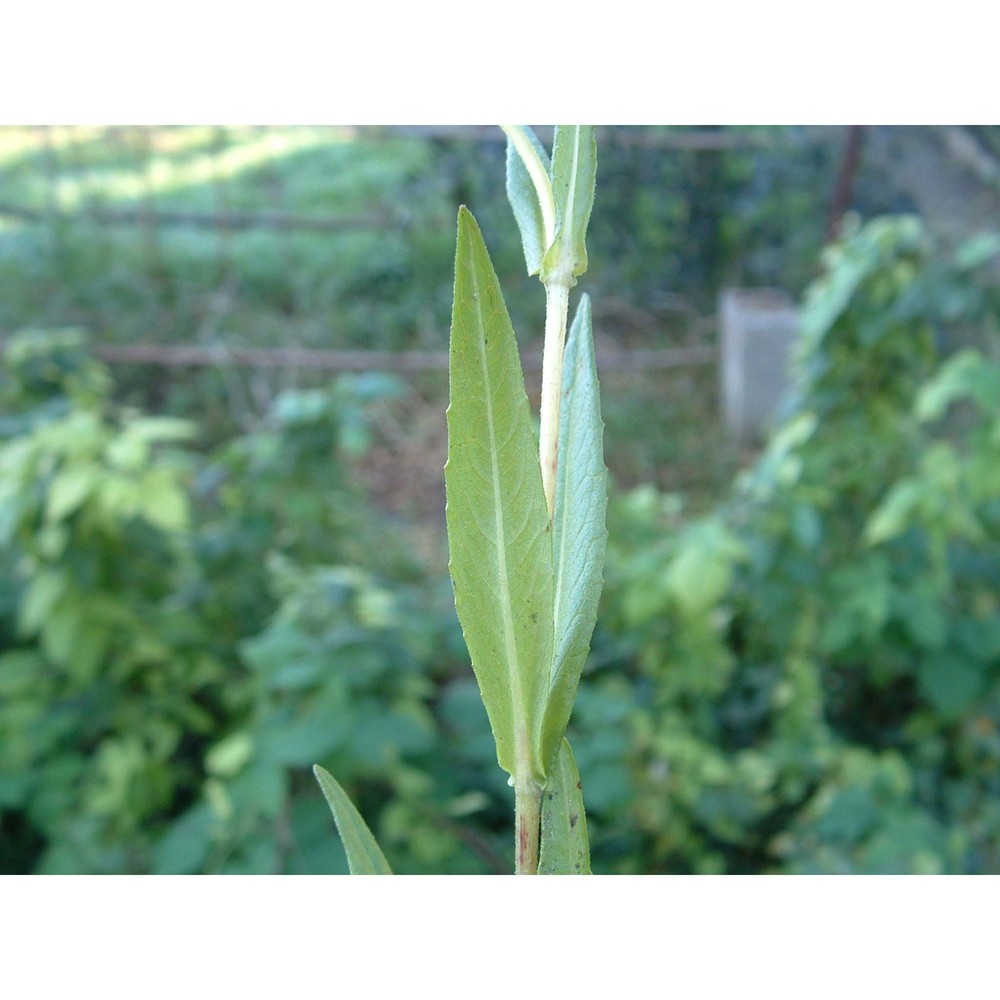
(166, 509)
(922, 610)
(574, 175)
(524, 200)
(967, 375)
(565, 849)
(230, 755)
(579, 535)
(119, 497)
(20, 673)
(499, 536)
(364, 856)
(978, 250)
(89, 646)
(849, 266)
(949, 682)
(130, 450)
(43, 593)
(184, 848)
(893, 515)
(161, 429)
(701, 571)
(69, 490)
(73, 638)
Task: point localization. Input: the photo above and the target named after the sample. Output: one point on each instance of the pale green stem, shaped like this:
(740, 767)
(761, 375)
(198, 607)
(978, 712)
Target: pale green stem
(556, 318)
(527, 793)
(527, 798)
(527, 826)
(527, 807)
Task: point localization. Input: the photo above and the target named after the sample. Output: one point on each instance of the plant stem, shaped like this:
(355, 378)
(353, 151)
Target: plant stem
(556, 317)
(527, 824)
(528, 796)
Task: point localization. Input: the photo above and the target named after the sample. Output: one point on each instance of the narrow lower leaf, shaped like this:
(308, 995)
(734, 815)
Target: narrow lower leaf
(364, 856)
(522, 192)
(499, 537)
(565, 848)
(579, 533)
(574, 175)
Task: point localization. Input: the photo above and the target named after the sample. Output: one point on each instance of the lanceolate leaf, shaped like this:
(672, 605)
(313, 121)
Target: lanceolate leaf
(565, 849)
(524, 199)
(499, 537)
(574, 174)
(579, 535)
(364, 856)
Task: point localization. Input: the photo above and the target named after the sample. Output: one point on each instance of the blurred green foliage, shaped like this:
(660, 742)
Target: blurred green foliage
(804, 680)
(180, 633)
(380, 275)
(107, 678)
(671, 227)
(822, 654)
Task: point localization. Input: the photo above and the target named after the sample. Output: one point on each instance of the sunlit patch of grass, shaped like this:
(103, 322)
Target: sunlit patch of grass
(17, 140)
(165, 174)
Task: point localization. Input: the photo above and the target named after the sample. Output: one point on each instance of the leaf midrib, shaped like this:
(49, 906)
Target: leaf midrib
(518, 712)
(571, 192)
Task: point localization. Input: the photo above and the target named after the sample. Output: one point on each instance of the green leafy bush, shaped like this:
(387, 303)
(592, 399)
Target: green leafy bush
(107, 677)
(821, 654)
(177, 629)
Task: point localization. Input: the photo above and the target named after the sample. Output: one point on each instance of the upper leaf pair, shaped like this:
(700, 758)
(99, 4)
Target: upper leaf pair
(552, 199)
(526, 589)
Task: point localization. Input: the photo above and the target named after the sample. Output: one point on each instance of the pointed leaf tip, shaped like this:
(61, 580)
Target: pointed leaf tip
(364, 856)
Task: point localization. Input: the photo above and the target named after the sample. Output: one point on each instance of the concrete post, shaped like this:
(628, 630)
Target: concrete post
(758, 329)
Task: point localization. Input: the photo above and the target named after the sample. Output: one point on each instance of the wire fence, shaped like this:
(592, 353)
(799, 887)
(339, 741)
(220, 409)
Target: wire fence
(156, 241)
(159, 184)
